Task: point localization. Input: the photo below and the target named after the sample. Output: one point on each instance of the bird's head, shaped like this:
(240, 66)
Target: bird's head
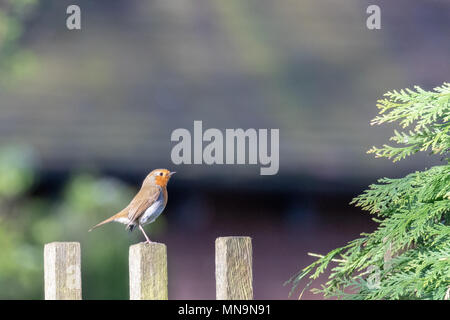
(159, 177)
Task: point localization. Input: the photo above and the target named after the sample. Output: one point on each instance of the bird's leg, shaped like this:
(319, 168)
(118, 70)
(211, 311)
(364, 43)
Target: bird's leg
(142, 229)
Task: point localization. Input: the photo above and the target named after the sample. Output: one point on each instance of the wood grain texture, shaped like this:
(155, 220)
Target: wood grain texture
(62, 271)
(148, 271)
(234, 277)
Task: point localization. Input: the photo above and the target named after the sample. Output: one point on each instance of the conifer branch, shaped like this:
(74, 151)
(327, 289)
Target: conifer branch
(409, 253)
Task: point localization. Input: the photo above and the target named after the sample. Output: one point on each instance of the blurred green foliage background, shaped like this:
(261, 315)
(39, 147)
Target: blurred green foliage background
(15, 62)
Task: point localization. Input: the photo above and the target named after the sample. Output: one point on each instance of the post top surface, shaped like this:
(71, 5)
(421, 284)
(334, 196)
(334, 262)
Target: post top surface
(233, 238)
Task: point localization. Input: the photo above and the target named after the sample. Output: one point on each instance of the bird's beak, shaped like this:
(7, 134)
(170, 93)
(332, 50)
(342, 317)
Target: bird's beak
(170, 174)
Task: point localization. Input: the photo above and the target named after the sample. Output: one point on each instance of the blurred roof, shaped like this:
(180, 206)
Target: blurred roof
(111, 94)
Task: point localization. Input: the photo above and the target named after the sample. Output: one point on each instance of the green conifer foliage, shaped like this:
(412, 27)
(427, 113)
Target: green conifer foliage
(408, 255)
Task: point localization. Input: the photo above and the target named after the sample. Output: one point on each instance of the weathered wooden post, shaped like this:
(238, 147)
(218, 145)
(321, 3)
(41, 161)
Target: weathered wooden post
(148, 271)
(62, 271)
(234, 278)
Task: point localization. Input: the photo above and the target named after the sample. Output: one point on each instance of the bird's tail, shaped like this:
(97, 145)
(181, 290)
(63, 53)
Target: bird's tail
(114, 217)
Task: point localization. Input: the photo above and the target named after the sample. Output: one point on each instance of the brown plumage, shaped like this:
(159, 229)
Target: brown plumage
(148, 203)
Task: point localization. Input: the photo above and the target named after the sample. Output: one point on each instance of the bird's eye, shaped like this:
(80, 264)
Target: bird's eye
(161, 174)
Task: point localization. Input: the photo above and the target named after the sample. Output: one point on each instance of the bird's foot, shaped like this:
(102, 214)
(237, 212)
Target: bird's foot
(146, 237)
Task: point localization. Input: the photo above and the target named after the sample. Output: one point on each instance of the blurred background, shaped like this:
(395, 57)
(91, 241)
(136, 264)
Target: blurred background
(85, 115)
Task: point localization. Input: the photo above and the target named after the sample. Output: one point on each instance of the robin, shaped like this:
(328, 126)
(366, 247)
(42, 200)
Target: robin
(147, 205)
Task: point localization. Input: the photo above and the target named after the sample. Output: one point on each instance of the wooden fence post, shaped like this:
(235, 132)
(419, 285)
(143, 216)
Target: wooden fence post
(234, 279)
(62, 271)
(148, 271)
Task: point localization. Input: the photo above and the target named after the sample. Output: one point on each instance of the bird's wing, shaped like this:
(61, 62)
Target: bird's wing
(143, 199)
